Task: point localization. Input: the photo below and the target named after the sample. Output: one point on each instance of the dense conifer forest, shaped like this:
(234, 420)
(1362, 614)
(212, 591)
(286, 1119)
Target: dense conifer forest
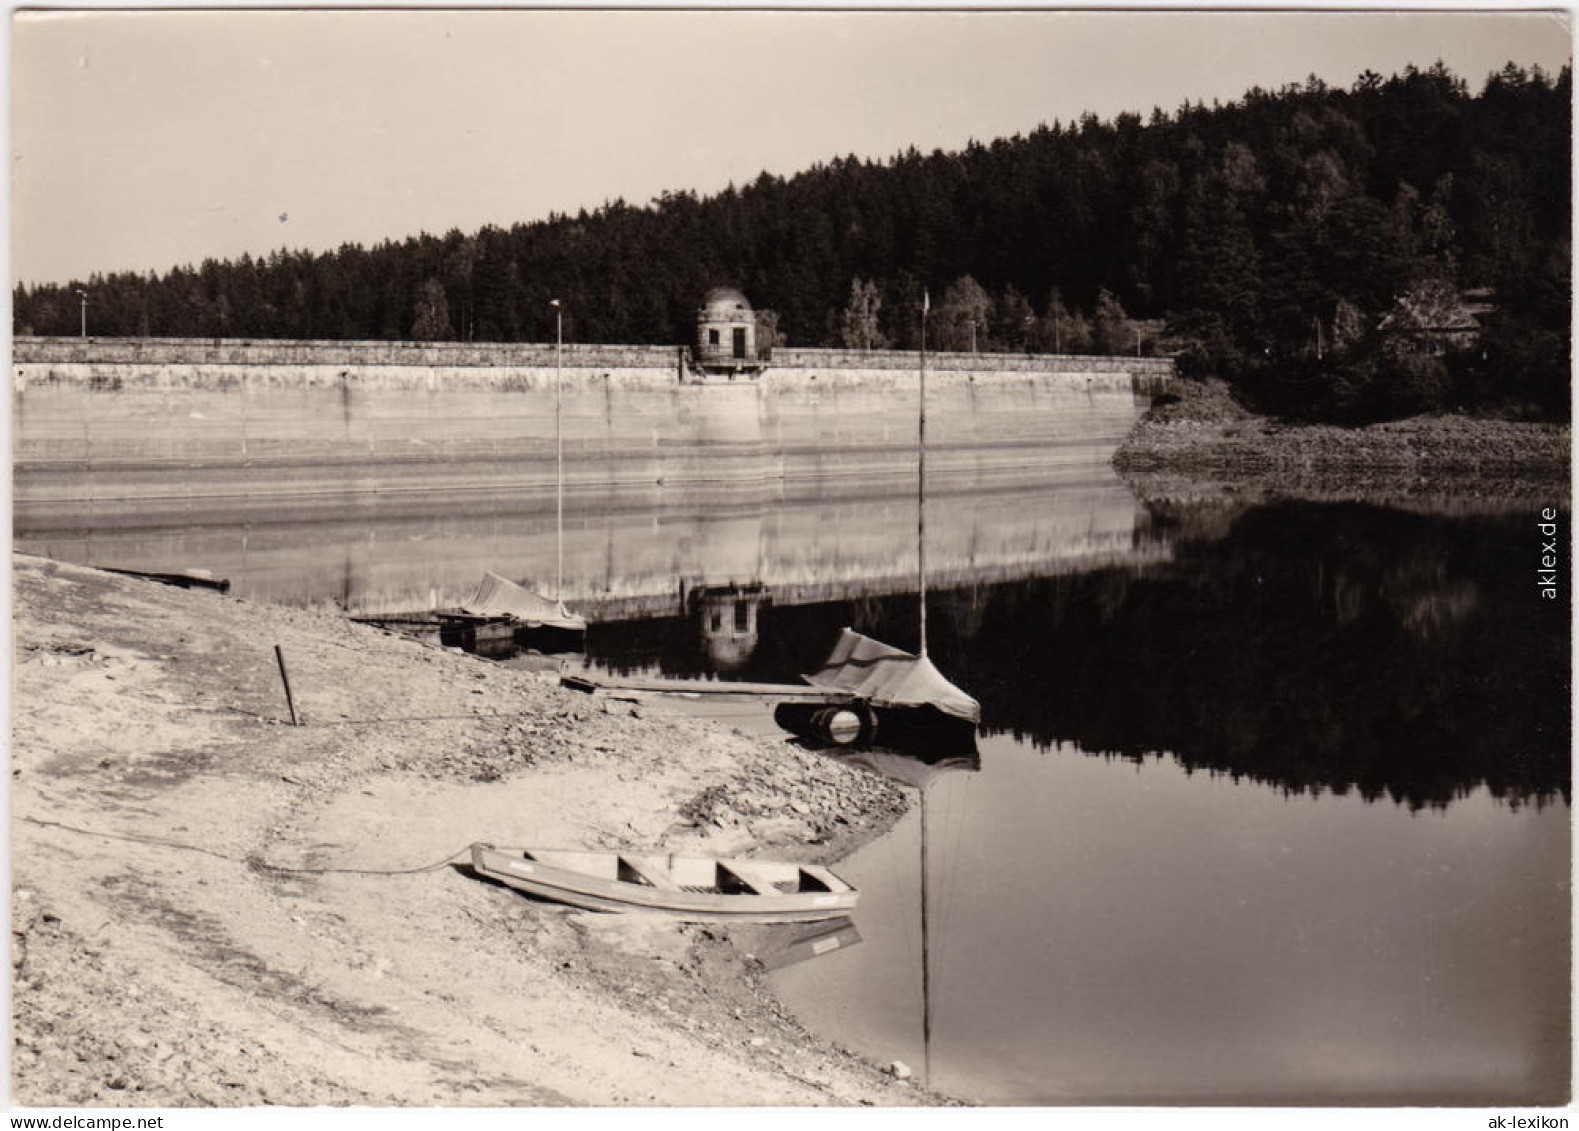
(1398, 246)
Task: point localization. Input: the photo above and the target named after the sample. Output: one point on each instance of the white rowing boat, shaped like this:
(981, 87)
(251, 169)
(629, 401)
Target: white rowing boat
(702, 888)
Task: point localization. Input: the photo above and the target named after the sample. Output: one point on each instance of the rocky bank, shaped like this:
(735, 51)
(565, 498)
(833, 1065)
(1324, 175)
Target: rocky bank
(213, 907)
(1202, 445)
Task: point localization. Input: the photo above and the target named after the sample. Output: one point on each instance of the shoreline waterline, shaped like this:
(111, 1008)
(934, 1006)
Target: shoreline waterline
(155, 716)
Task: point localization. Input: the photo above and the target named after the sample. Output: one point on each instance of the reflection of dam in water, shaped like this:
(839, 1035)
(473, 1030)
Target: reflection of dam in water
(386, 478)
(625, 563)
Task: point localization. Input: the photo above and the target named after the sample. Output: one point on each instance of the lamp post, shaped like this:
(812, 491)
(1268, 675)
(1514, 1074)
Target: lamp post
(559, 449)
(83, 296)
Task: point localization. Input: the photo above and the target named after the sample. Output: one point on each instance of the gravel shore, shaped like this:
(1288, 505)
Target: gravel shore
(1204, 445)
(211, 907)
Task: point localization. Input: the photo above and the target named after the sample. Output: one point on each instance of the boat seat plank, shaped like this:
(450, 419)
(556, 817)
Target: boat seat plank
(759, 879)
(653, 871)
(814, 877)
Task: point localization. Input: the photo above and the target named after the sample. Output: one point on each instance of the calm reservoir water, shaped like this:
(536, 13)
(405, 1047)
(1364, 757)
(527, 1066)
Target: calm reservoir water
(1271, 805)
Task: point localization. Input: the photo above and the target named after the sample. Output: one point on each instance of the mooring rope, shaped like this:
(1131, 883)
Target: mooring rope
(251, 861)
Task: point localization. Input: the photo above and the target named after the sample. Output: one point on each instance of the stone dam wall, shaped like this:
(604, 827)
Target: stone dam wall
(150, 426)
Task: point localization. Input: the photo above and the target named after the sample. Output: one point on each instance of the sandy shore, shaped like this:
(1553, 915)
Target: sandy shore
(1204, 446)
(212, 907)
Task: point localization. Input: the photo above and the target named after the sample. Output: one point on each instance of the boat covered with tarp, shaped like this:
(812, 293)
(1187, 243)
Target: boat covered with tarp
(889, 678)
(498, 597)
(888, 697)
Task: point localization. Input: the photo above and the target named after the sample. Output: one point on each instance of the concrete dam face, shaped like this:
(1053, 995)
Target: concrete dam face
(147, 424)
(134, 435)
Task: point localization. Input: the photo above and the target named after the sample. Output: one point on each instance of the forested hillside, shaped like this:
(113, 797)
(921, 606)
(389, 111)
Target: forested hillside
(1399, 245)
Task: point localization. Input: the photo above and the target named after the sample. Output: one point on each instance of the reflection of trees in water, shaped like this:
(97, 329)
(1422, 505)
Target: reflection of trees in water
(1317, 648)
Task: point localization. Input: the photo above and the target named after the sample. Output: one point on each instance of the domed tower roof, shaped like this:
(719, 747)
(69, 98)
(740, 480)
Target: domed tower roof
(725, 302)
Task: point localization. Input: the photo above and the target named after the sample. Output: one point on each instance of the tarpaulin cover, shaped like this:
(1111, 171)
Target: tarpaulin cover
(887, 677)
(498, 597)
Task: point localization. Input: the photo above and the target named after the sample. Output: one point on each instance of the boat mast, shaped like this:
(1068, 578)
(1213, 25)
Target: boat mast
(559, 451)
(921, 578)
(921, 479)
(926, 980)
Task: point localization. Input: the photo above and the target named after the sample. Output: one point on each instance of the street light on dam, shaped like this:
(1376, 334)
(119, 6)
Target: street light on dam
(83, 295)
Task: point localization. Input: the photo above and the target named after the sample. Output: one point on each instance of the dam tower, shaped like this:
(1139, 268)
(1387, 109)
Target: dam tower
(726, 332)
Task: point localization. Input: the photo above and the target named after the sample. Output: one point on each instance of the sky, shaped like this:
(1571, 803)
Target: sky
(143, 140)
